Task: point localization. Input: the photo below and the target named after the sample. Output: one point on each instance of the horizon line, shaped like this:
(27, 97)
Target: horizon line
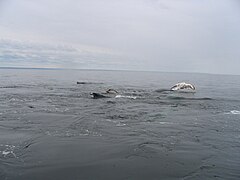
(49, 68)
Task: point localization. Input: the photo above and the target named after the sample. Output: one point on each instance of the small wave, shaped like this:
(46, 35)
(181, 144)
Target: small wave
(233, 112)
(87, 82)
(183, 98)
(7, 87)
(129, 97)
(162, 90)
(163, 122)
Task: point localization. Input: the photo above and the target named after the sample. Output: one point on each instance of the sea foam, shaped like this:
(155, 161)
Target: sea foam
(129, 97)
(233, 112)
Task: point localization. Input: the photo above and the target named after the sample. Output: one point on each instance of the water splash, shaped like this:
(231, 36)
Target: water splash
(234, 112)
(129, 97)
(7, 150)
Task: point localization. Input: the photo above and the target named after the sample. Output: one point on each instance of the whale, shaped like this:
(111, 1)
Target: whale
(99, 95)
(110, 93)
(183, 85)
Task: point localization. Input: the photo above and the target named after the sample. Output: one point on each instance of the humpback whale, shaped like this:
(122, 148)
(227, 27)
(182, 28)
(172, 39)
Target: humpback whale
(182, 85)
(110, 93)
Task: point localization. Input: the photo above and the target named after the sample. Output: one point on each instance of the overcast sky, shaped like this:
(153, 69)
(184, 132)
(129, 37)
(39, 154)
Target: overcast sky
(154, 35)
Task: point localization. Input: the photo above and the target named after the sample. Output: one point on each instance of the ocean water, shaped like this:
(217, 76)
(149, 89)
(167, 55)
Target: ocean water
(51, 128)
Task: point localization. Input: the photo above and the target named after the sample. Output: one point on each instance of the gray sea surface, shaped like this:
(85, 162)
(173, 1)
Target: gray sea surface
(51, 128)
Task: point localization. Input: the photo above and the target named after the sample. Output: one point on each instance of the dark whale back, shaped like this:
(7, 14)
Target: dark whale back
(98, 95)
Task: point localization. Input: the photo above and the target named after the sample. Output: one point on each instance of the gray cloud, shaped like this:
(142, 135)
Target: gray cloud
(164, 35)
(26, 54)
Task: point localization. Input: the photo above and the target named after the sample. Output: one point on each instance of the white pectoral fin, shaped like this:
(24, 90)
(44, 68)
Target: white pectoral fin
(182, 85)
(174, 88)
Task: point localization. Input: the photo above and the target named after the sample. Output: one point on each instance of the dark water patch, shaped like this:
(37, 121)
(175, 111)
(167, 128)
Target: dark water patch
(65, 95)
(98, 156)
(155, 117)
(208, 106)
(25, 86)
(185, 92)
(111, 102)
(146, 150)
(158, 100)
(163, 90)
(118, 117)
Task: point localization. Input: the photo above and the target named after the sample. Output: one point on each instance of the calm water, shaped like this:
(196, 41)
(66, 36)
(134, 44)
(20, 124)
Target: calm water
(51, 128)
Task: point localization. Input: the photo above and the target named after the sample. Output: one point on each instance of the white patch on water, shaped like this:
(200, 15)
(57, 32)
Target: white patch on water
(129, 97)
(12, 99)
(233, 112)
(67, 133)
(121, 124)
(165, 122)
(116, 122)
(8, 150)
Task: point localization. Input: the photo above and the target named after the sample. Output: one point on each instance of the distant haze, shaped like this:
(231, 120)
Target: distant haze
(151, 35)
